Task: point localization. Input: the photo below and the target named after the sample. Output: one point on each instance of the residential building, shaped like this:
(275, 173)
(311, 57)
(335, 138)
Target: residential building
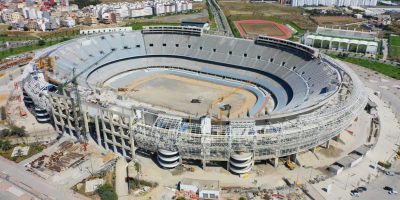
(334, 2)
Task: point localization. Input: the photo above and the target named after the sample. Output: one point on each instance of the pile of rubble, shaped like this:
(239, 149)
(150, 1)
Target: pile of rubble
(68, 155)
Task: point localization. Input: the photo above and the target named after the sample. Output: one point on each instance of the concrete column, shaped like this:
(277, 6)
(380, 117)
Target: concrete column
(132, 140)
(357, 48)
(293, 157)
(313, 149)
(96, 123)
(204, 162)
(336, 138)
(276, 162)
(330, 45)
(227, 165)
(348, 47)
(86, 123)
(253, 160)
(327, 144)
(113, 132)
(104, 132)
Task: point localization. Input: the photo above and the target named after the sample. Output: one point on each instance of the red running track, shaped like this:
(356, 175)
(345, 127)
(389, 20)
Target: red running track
(285, 30)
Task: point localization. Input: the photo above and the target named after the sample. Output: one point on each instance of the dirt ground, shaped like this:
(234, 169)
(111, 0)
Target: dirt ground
(3, 98)
(283, 14)
(268, 29)
(176, 93)
(335, 20)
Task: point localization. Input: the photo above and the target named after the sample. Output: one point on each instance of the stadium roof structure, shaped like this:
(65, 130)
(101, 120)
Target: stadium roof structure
(342, 33)
(342, 40)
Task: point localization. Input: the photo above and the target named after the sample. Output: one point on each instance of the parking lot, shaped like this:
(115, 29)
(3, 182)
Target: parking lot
(375, 188)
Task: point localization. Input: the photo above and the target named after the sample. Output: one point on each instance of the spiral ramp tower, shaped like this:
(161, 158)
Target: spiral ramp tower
(27, 99)
(168, 159)
(241, 163)
(42, 115)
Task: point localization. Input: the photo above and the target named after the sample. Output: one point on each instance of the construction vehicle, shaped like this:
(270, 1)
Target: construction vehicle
(385, 164)
(46, 64)
(289, 164)
(226, 96)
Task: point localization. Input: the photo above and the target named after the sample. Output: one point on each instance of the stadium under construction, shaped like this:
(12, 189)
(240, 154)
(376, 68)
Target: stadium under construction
(302, 98)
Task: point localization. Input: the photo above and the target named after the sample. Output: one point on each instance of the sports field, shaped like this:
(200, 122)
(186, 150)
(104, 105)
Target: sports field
(394, 47)
(176, 93)
(248, 28)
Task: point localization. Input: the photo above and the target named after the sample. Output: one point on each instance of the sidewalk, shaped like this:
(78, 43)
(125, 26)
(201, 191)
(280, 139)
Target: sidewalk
(363, 173)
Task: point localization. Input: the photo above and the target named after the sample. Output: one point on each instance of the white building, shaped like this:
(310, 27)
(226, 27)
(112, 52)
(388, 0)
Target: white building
(343, 40)
(206, 189)
(162, 7)
(68, 22)
(32, 13)
(140, 11)
(342, 44)
(296, 3)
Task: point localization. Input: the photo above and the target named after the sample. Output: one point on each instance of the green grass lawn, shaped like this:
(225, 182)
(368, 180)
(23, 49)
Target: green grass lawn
(394, 47)
(394, 52)
(15, 51)
(394, 40)
(386, 69)
(139, 25)
(34, 149)
(19, 38)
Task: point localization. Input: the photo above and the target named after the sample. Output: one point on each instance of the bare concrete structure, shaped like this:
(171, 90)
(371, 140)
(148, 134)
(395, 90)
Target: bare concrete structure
(315, 97)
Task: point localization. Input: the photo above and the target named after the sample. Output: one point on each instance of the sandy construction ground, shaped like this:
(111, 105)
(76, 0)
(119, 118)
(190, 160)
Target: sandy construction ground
(176, 93)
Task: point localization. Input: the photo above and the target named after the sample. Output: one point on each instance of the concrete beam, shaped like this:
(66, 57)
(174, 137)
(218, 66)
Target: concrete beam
(276, 162)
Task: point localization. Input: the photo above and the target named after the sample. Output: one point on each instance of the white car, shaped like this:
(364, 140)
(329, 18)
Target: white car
(354, 193)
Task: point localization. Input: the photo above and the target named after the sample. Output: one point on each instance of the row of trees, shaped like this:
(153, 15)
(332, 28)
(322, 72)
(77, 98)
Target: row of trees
(13, 130)
(106, 192)
(5, 145)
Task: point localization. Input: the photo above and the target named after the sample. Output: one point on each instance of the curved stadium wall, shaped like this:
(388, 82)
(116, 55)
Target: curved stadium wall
(316, 97)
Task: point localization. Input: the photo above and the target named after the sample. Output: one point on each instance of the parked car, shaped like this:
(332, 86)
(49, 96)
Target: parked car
(389, 173)
(361, 189)
(354, 193)
(393, 192)
(387, 188)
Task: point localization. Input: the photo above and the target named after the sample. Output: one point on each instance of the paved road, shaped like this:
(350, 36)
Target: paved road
(220, 19)
(375, 189)
(388, 88)
(32, 184)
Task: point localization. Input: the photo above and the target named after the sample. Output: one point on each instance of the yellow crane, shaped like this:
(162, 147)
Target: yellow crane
(46, 64)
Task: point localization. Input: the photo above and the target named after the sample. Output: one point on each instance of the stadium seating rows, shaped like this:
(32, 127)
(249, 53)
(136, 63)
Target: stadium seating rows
(294, 81)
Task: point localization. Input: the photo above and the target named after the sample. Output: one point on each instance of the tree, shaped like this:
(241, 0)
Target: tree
(106, 192)
(137, 166)
(20, 131)
(41, 42)
(26, 28)
(5, 145)
(3, 113)
(9, 28)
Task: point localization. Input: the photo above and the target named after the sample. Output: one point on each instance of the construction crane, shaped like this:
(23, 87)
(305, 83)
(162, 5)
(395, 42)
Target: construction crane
(46, 64)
